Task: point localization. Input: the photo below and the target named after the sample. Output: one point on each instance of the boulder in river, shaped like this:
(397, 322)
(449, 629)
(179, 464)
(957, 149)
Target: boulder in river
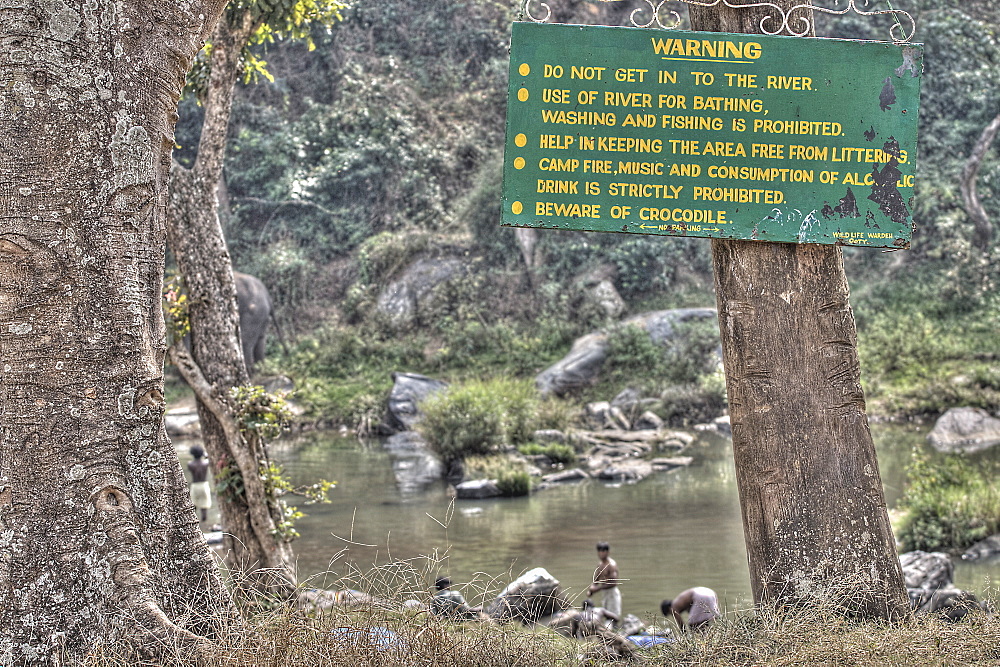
(984, 549)
(625, 470)
(477, 489)
(534, 594)
(928, 577)
(965, 430)
(408, 390)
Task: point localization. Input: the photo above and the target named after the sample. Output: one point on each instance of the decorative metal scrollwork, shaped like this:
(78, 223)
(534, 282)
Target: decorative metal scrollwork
(898, 33)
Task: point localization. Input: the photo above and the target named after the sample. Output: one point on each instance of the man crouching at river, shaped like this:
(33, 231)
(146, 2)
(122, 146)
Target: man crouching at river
(700, 603)
(606, 579)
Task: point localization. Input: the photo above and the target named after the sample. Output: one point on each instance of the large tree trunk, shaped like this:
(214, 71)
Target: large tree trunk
(814, 513)
(99, 542)
(255, 549)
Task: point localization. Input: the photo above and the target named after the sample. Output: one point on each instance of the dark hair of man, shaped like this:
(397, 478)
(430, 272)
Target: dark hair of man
(603, 546)
(442, 583)
(197, 451)
(665, 607)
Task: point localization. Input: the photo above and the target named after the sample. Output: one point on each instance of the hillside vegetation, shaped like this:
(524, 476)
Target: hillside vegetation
(384, 145)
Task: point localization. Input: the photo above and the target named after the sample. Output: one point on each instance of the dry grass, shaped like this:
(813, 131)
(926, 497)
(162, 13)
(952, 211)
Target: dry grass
(379, 631)
(818, 638)
(379, 637)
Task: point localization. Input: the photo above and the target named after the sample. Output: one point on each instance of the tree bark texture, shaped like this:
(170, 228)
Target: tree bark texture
(99, 542)
(982, 229)
(256, 553)
(814, 514)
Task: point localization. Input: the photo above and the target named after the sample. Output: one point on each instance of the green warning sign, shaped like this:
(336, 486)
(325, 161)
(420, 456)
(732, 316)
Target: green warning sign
(711, 134)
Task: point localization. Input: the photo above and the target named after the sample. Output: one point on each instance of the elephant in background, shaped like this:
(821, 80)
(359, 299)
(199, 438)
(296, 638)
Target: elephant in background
(254, 305)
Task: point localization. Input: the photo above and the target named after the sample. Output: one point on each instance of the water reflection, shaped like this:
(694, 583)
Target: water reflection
(669, 532)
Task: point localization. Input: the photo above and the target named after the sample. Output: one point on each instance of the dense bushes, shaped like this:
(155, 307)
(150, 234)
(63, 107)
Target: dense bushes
(478, 417)
(950, 503)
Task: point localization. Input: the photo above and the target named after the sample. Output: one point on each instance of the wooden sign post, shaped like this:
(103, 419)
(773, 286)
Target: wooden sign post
(746, 141)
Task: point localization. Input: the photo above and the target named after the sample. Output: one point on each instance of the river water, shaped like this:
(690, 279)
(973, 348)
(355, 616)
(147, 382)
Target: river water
(669, 532)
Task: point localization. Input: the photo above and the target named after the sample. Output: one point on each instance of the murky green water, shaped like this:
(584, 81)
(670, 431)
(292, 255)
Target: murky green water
(667, 533)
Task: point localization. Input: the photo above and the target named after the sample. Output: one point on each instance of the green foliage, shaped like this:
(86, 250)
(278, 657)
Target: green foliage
(260, 411)
(558, 453)
(478, 417)
(480, 212)
(229, 482)
(950, 503)
(635, 359)
(384, 254)
(175, 309)
(926, 345)
(277, 487)
(643, 264)
(687, 404)
(513, 483)
(509, 475)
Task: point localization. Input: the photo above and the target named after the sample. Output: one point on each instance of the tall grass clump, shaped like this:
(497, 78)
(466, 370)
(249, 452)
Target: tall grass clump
(951, 503)
(479, 417)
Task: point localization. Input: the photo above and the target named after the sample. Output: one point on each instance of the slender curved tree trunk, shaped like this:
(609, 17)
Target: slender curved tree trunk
(256, 553)
(814, 513)
(99, 542)
(982, 228)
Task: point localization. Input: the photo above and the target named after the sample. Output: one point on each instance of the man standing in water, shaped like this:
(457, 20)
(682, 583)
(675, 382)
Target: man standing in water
(201, 494)
(606, 579)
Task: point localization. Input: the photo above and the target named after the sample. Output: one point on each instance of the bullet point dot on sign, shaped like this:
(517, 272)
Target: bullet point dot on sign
(516, 207)
(524, 69)
(519, 163)
(523, 94)
(520, 140)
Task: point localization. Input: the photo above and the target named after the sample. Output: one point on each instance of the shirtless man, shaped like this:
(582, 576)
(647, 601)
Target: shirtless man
(201, 494)
(701, 604)
(606, 579)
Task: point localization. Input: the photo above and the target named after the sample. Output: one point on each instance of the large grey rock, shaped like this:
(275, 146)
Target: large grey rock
(402, 299)
(408, 390)
(583, 364)
(927, 570)
(625, 470)
(604, 295)
(928, 577)
(534, 594)
(648, 421)
(965, 430)
(984, 549)
(413, 465)
(563, 476)
(477, 489)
